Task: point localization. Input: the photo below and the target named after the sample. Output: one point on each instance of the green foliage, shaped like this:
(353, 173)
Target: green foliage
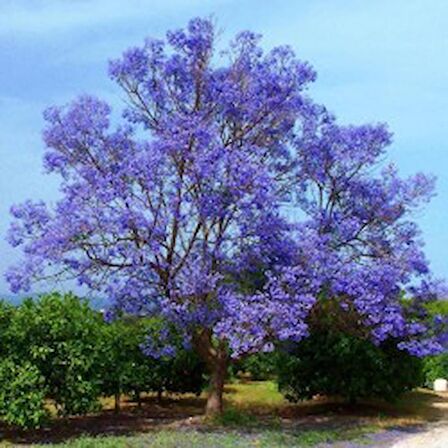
(59, 335)
(59, 348)
(187, 373)
(22, 394)
(438, 307)
(234, 417)
(436, 366)
(125, 369)
(336, 364)
(6, 316)
(259, 367)
(182, 373)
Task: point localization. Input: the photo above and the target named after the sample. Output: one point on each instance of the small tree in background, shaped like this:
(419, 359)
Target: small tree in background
(123, 368)
(179, 369)
(59, 336)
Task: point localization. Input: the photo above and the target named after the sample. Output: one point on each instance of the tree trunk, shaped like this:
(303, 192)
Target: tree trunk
(117, 403)
(214, 354)
(159, 396)
(218, 374)
(139, 399)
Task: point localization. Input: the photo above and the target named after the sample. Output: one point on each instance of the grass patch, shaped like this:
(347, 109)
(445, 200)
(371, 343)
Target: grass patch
(221, 439)
(310, 438)
(234, 417)
(258, 397)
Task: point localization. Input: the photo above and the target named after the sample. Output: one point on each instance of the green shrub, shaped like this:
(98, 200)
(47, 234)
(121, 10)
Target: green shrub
(184, 372)
(125, 369)
(258, 367)
(22, 394)
(7, 312)
(59, 336)
(435, 367)
(337, 364)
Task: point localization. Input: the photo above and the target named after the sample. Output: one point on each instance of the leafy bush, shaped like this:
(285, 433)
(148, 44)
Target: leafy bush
(259, 367)
(59, 336)
(336, 364)
(126, 369)
(123, 367)
(183, 373)
(22, 394)
(436, 366)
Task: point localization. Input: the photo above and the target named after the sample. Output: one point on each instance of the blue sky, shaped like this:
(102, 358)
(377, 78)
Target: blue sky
(378, 60)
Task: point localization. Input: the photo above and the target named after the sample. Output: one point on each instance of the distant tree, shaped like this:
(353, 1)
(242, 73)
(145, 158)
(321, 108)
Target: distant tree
(258, 367)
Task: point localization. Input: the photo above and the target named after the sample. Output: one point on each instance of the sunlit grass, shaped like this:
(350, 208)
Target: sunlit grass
(260, 396)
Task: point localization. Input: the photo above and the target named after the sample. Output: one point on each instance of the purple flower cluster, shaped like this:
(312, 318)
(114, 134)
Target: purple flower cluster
(221, 170)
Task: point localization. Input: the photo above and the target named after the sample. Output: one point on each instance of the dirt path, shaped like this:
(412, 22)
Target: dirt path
(435, 437)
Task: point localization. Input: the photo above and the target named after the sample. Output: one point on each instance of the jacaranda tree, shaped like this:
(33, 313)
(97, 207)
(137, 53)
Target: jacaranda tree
(169, 212)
